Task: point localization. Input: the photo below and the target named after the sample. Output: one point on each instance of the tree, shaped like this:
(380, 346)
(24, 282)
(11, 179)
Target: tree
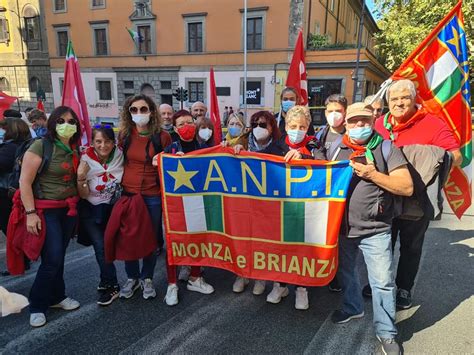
(405, 23)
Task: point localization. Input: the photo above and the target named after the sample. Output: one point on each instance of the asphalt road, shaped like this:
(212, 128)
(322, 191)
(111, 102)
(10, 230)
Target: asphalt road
(440, 322)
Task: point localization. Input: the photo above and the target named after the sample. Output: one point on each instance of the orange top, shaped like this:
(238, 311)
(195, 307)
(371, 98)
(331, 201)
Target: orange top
(139, 175)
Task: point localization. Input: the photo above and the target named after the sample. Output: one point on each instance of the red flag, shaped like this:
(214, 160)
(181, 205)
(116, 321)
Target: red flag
(5, 103)
(40, 105)
(73, 93)
(297, 73)
(214, 112)
(439, 68)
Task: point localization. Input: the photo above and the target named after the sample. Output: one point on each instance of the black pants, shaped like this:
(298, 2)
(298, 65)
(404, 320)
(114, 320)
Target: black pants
(5, 210)
(412, 235)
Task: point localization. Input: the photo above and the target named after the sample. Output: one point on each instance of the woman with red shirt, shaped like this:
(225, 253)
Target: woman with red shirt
(141, 138)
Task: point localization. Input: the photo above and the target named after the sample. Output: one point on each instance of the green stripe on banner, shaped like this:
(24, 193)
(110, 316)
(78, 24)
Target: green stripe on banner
(450, 87)
(293, 221)
(213, 209)
(466, 152)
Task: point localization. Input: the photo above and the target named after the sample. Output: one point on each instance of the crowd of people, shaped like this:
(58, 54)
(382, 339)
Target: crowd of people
(115, 180)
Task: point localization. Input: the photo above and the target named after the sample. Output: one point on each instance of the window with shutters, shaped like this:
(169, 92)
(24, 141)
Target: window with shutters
(4, 34)
(100, 39)
(104, 87)
(144, 45)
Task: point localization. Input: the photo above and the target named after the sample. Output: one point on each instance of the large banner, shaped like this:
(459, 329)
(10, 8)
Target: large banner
(254, 214)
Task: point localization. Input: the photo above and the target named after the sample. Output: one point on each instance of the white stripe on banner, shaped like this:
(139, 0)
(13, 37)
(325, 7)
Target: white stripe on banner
(194, 213)
(441, 70)
(316, 219)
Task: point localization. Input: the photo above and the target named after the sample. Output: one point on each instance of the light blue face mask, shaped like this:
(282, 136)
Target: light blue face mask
(361, 134)
(235, 131)
(2, 134)
(286, 105)
(296, 135)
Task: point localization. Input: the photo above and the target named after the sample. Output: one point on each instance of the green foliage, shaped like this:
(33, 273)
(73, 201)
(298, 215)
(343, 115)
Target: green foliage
(321, 42)
(405, 23)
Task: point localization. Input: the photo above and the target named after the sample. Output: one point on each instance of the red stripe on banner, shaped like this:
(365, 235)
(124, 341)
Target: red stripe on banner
(246, 217)
(176, 219)
(430, 55)
(335, 214)
(458, 191)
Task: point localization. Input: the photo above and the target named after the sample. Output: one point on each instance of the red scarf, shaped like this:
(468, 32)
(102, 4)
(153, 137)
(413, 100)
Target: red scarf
(391, 125)
(301, 146)
(358, 150)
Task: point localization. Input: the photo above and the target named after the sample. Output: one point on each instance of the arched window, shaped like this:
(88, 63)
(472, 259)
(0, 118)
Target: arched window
(32, 27)
(34, 84)
(148, 90)
(4, 84)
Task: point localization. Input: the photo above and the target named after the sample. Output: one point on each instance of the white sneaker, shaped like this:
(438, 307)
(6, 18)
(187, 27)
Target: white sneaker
(301, 299)
(239, 284)
(277, 293)
(171, 297)
(184, 272)
(37, 319)
(68, 304)
(259, 287)
(148, 289)
(200, 285)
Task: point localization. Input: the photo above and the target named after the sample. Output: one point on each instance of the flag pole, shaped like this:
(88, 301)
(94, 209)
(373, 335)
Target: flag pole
(245, 63)
(359, 44)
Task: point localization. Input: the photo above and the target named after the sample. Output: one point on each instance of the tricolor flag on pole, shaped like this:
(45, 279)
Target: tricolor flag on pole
(5, 103)
(73, 93)
(439, 68)
(297, 72)
(137, 37)
(214, 111)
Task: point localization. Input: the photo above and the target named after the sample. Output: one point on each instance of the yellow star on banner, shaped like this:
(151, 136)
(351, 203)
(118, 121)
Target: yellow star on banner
(455, 41)
(182, 177)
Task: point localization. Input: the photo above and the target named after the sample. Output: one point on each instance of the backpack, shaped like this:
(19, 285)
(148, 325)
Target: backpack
(14, 176)
(321, 140)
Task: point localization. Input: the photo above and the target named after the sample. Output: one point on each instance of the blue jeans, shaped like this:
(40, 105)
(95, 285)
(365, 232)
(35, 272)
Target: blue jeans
(378, 256)
(132, 268)
(93, 221)
(48, 288)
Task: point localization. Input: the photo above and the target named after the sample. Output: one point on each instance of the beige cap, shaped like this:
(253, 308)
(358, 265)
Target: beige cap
(359, 109)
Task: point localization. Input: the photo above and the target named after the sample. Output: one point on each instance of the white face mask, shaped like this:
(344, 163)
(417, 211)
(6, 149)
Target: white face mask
(260, 133)
(205, 134)
(335, 119)
(141, 119)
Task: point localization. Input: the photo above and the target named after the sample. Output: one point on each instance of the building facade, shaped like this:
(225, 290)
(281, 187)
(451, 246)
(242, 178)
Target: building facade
(24, 59)
(180, 40)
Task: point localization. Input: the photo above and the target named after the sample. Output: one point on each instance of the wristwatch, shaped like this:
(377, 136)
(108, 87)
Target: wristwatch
(33, 211)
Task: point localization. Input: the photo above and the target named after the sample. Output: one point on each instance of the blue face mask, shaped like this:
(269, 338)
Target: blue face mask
(286, 105)
(40, 131)
(296, 135)
(235, 131)
(2, 134)
(360, 134)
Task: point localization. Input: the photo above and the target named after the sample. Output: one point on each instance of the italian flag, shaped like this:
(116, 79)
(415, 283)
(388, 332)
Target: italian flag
(137, 37)
(439, 68)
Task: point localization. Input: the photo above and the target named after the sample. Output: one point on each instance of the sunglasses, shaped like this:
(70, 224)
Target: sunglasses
(98, 126)
(134, 110)
(61, 121)
(261, 125)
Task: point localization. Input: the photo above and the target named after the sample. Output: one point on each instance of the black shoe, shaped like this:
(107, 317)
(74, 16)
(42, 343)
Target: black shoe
(108, 296)
(5, 273)
(340, 317)
(367, 291)
(334, 285)
(389, 346)
(403, 299)
(102, 286)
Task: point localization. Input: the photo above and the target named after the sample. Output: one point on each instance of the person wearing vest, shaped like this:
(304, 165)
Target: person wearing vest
(289, 97)
(98, 178)
(367, 224)
(141, 138)
(407, 124)
(185, 127)
(52, 213)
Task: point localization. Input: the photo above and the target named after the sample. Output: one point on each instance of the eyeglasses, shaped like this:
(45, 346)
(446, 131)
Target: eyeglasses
(99, 126)
(261, 125)
(61, 121)
(134, 110)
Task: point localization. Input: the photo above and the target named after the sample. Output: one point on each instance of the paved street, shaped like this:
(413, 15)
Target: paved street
(439, 323)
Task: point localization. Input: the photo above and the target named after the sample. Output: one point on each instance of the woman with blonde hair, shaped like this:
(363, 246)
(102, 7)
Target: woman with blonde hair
(141, 138)
(236, 131)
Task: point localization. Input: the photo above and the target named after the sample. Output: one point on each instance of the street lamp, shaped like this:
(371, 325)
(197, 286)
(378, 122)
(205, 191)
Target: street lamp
(4, 9)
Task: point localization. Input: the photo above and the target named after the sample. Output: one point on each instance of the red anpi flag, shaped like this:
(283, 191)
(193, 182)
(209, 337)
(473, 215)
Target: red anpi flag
(5, 103)
(297, 73)
(73, 93)
(214, 112)
(40, 105)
